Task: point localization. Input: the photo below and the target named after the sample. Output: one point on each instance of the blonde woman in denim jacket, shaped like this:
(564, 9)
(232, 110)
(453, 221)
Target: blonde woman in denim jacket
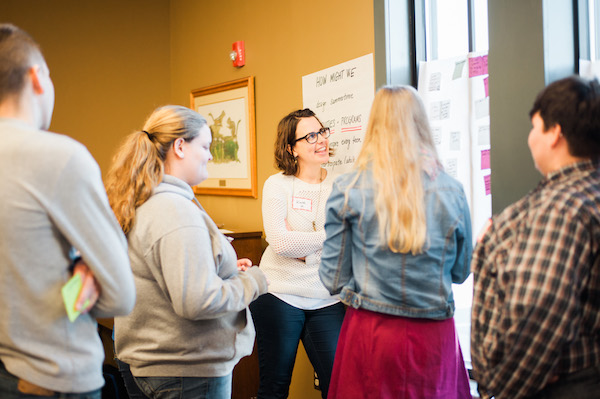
(398, 235)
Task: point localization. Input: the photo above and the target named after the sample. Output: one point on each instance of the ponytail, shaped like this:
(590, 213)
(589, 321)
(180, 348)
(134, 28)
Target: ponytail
(138, 165)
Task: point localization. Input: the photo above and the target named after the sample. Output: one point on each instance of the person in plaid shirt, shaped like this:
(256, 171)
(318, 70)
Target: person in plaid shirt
(536, 300)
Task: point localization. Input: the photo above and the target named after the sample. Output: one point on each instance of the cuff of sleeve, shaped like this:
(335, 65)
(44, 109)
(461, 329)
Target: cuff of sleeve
(260, 279)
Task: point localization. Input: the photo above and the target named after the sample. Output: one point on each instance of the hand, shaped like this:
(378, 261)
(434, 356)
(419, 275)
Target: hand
(90, 290)
(243, 264)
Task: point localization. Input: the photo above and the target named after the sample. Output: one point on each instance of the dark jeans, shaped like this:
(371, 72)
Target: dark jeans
(584, 384)
(186, 387)
(8, 389)
(279, 329)
(133, 391)
(175, 387)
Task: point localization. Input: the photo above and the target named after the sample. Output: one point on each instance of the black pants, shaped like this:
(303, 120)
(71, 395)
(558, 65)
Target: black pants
(584, 384)
(279, 329)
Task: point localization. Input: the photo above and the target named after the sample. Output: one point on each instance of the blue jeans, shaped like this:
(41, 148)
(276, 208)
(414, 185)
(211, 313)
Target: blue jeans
(133, 391)
(279, 329)
(185, 387)
(8, 389)
(584, 384)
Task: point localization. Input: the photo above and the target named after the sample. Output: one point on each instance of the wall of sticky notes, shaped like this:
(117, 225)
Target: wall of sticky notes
(456, 95)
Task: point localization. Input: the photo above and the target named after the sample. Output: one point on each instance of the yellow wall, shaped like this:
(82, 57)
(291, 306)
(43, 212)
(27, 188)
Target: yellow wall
(114, 61)
(109, 60)
(285, 39)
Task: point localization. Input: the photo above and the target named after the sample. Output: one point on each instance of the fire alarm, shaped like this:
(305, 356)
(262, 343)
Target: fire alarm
(238, 54)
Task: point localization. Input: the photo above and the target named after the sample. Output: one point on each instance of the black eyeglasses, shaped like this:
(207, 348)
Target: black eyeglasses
(312, 137)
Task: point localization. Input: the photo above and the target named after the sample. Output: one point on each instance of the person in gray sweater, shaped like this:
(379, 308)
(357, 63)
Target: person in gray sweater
(53, 201)
(191, 323)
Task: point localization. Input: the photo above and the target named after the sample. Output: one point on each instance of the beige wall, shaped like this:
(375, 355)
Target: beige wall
(114, 61)
(109, 60)
(285, 39)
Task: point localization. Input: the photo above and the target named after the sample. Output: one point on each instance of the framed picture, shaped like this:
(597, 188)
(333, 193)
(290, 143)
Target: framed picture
(229, 109)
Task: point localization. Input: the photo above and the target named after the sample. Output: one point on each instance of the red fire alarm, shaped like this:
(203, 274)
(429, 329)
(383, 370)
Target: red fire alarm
(238, 54)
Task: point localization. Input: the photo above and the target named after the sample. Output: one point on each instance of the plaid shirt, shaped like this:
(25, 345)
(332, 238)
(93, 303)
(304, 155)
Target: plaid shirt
(536, 300)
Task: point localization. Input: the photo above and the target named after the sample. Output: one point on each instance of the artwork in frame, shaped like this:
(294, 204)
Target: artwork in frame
(229, 109)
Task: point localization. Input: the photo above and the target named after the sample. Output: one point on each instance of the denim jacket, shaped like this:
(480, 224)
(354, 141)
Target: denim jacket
(371, 276)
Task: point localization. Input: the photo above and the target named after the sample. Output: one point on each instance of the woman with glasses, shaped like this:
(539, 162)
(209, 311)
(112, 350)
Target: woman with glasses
(297, 307)
(190, 324)
(398, 235)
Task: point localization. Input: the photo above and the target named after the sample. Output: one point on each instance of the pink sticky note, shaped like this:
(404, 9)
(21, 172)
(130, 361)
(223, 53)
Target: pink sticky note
(485, 159)
(486, 86)
(478, 66)
(488, 184)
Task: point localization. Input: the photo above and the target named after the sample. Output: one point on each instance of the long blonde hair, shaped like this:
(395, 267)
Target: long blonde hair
(138, 165)
(397, 137)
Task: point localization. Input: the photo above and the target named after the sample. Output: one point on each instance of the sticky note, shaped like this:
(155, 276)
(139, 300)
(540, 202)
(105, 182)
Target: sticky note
(445, 109)
(440, 110)
(478, 66)
(434, 111)
(486, 86)
(70, 291)
(483, 135)
(451, 166)
(485, 159)
(436, 132)
(482, 108)
(488, 184)
(458, 69)
(455, 141)
(435, 82)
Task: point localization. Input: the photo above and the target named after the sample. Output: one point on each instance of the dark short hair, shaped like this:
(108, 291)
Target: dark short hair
(17, 49)
(286, 135)
(574, 104)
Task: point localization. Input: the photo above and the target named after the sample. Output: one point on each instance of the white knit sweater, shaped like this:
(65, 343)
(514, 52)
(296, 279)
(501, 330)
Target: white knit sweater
(287, 199)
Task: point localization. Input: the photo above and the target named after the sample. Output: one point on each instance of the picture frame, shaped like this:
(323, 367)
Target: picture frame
(229, 110)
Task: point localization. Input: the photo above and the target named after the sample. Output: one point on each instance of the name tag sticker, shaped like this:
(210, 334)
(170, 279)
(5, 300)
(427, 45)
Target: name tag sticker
(301, 204)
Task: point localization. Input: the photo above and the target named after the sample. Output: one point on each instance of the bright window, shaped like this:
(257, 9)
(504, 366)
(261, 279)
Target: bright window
(593, 15)
(589, 38)
(455, 27)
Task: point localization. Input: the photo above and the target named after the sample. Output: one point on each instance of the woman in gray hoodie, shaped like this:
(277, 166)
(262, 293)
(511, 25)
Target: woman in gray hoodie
(190, 325)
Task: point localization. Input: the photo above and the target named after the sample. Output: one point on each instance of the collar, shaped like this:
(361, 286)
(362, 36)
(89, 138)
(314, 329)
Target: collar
(19, 122)
(588, 165)
(173, 184)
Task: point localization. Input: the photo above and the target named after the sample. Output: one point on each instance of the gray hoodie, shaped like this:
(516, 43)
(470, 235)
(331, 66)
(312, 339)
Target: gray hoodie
(53, 199)
(191, 317)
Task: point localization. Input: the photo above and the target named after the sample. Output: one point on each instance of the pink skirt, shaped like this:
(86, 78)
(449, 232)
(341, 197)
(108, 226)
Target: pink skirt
(382, 356)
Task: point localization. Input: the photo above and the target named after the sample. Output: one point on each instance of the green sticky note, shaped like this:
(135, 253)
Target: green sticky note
(70, 291)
